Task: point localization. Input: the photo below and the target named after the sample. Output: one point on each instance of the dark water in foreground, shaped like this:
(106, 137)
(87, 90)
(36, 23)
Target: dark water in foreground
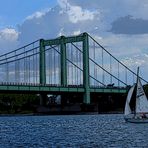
(71, 131)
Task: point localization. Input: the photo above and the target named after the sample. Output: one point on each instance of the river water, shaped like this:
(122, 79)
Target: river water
(71, 131)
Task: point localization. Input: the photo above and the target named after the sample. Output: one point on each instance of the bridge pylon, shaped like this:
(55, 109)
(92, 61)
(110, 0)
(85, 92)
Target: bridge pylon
(42, 70)
(86, 81)
(63, 62)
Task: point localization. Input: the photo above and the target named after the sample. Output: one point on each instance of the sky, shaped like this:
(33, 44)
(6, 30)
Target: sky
(119, 25)
(14, 12)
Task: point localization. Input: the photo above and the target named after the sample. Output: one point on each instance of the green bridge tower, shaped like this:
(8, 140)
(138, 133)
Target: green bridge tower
(62, 41)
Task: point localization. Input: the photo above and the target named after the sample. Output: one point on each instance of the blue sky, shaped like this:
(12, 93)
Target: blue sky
(13, 12)
(119, 25)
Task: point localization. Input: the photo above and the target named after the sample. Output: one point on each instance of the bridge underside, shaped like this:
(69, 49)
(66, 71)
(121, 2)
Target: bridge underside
(73, 95)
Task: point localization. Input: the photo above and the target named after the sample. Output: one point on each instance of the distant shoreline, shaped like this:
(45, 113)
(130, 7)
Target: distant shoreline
(60, 113)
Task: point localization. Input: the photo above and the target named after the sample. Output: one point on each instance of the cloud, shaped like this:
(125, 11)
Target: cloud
(8, 34)
(64, 19)
(37, 14)
(129, 25)
(8, 39)
(77, 32)
(76, 13)
(127, 37)
(122, 8)
(137, 60)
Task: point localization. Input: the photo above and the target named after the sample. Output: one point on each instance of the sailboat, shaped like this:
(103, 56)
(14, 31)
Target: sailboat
(140, 112)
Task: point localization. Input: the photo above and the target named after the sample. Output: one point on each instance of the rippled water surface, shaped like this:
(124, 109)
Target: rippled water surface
(71, 131)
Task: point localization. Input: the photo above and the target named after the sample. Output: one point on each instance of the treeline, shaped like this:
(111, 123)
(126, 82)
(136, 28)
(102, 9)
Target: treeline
(146, 89)
(18, 103)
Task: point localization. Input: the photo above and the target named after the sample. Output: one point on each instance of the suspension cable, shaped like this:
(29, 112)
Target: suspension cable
(116, 59)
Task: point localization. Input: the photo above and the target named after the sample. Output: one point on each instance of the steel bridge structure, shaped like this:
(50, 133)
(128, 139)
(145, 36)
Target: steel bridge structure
(65, 65)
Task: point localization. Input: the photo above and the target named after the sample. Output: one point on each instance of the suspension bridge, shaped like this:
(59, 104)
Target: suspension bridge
(63, 66)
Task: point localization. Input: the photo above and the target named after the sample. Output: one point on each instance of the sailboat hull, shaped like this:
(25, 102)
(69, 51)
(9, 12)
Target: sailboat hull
(136, 120)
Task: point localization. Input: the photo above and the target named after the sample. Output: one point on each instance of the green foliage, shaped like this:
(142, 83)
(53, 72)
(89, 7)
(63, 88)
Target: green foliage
(17, 103)
(146, 89)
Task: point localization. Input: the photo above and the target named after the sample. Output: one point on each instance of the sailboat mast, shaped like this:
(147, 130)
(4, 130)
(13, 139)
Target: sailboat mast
(137, 74)
(136, 89)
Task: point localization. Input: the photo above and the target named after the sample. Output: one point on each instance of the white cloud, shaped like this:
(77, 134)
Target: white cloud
(61, 32)
(8, 34)
(37, 14)
(60, 20)
(76, 13)
(136, 61)
(8, 39)
(124, 45)
(76, 32)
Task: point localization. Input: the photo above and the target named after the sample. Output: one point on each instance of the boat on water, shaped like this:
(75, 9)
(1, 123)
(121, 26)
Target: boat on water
(138, 113)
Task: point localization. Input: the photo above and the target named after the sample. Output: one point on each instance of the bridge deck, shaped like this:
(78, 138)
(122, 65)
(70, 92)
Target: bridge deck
(57, 89)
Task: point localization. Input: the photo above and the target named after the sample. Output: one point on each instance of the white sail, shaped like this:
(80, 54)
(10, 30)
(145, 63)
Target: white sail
(141, 99)
(127, 110)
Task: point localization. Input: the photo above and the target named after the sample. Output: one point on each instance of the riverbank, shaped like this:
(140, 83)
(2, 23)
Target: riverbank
(76, 109)
(59, 113)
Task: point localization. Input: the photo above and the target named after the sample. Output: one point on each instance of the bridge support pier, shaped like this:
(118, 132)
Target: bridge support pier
(86, 97)
(43, 99)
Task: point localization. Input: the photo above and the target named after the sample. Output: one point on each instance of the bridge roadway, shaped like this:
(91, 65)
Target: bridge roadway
(55, 89)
